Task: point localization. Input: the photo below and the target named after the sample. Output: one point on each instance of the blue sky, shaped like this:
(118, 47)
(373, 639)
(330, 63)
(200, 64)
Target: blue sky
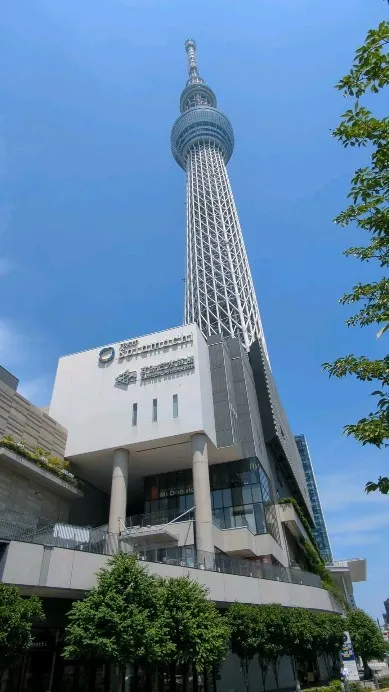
(92, 216)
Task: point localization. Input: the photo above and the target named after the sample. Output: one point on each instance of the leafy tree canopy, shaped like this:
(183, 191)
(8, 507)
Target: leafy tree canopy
(329, 630)
(122, 619)
(368, 211)
(17, 616)
(131, 617)
(366, 636)
(271, 639)
(246, 630)
(197, 631)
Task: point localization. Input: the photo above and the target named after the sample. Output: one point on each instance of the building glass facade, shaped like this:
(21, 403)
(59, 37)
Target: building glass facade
(320, 532)
(241, 496)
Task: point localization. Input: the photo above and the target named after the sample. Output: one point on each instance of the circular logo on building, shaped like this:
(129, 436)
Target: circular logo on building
(106, 354)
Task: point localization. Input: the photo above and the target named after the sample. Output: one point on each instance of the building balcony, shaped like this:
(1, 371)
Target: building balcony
(240, 542)
(288, 516)
(161, 528)
(25, 464)
(356, 567)
(63, 560)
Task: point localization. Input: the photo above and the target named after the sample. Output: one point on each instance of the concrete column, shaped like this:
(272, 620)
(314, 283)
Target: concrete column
(118, 502)
(202, 493)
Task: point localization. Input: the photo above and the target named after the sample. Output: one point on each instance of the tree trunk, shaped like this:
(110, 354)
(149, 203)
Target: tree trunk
(294, 668)
(195, 678)
(244, 664)
(366, 669)
(185, 677)
(206, 680)
(173, 678)
(264, 670)
(276, 669)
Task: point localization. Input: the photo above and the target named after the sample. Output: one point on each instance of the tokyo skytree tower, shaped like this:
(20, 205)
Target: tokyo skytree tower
(219, 294)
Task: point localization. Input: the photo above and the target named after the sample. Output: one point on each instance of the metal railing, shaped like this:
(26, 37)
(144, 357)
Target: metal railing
(15, 526)
(158, 518)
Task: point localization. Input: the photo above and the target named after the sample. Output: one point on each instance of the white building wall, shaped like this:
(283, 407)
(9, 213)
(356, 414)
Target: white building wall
(98, 413)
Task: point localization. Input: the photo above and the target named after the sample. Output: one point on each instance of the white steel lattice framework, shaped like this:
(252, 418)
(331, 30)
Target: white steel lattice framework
(220, 295)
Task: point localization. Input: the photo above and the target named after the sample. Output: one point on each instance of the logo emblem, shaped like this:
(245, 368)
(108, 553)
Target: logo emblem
(106, 354)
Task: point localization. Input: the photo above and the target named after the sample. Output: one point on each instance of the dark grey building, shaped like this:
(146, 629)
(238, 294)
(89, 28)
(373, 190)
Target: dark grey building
(320, 531)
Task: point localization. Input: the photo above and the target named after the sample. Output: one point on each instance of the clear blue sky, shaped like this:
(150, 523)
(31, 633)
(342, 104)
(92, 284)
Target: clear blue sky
(92, 216)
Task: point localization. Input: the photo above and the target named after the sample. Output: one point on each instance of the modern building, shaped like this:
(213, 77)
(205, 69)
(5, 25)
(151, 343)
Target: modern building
(178, 441)
(320, 530)
(386, 613)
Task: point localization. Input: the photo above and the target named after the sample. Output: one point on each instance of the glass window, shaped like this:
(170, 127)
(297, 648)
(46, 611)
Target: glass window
(254, 476)
(229, 518)
(259, 518)
(163, 504)
(134, 414)
(171, 482)
(250, 518)
(246, 494)
(271, 521)
(236, 496)
(154, 506)
(155, 410)
(147, 507)
(239, 516)
(227, 498)
(181, 503)
(245, 477)
(180, 482)
(214, 477)
(189, 501)
(175, 405)
(217, 499)
(172, 502)
(256, 491)
(265, 485)
(188, 481)
(219, 518)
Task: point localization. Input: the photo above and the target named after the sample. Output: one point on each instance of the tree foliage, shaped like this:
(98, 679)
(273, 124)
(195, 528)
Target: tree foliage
(368, 210)
(132, 618)
(271, 642)
(270, 632)
(245, 628)
(17, 615)
(122, 619)
(366, 637)
(197, 632)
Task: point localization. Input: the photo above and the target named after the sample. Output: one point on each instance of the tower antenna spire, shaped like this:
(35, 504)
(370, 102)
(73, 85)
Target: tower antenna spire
(194, 77)
(219, 290)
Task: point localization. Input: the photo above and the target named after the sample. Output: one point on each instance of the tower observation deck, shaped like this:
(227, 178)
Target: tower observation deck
(219, 294)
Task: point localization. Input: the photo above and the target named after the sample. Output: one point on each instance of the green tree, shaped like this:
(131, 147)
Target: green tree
(17, 615)
(198, 633)
(271, 643)
(366, 637)
(122, 620)
(368, 211)
(244, 625)
(328, 637)
(299, 634)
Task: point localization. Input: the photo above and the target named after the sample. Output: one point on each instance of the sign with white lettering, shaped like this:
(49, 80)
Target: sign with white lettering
(132, 348)
(168, 368)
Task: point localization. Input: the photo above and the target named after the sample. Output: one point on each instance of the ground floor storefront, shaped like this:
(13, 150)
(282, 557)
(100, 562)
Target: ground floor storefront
(44, 669)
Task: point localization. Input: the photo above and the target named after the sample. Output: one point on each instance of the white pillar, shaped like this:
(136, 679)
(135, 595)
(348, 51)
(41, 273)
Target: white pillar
(202, 494)
(118, 503)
